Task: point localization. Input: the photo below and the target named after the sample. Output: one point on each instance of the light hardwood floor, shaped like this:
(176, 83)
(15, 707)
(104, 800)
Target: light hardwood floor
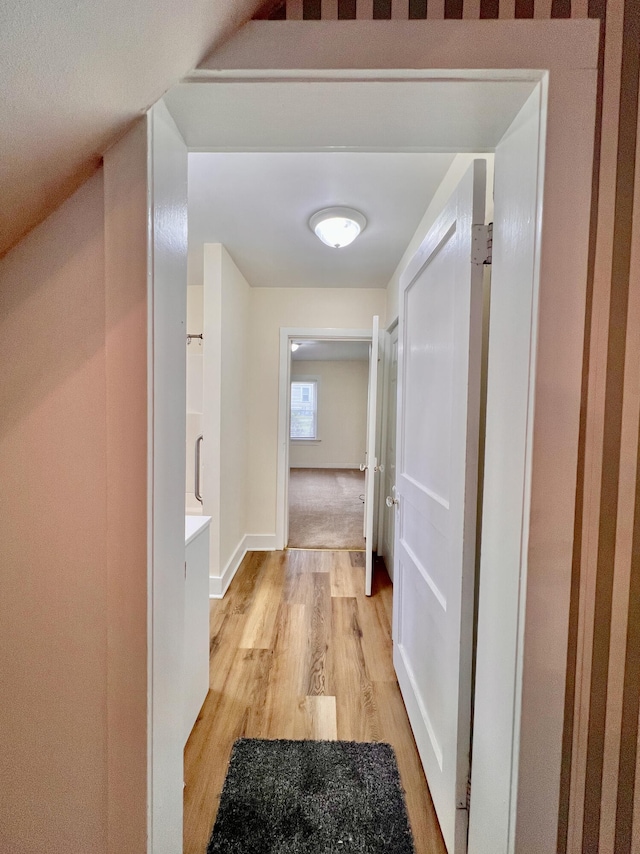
(298, 651)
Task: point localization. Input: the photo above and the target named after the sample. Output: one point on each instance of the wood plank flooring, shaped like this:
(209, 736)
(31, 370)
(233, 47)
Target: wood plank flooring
(298, 651)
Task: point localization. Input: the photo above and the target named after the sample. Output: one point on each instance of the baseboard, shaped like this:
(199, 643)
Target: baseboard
(218, 585)
(261, 542)
(328, 466)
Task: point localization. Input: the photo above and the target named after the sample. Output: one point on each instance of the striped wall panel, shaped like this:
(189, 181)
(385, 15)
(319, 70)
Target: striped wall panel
(325, 10)
(599, 807)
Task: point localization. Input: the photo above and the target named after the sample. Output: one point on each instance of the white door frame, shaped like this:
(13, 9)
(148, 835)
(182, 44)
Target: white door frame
(287, 335)
(562, 57)
(383, 436)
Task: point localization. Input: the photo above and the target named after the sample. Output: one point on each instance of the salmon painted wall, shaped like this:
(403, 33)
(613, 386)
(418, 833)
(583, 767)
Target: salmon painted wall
(53, 530)
(600, 792)
(73, 521)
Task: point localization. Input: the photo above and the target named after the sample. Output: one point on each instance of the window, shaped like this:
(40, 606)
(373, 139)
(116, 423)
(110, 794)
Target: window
(304, 409)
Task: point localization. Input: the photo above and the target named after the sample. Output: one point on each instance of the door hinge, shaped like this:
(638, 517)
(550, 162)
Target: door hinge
(481, 243)
(463, 802)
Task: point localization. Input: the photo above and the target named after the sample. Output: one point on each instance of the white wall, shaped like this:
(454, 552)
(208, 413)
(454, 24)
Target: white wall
(195, 366)
(342, 415)
(451, 179)
(233, 425)
(226, 320)
(270, 309)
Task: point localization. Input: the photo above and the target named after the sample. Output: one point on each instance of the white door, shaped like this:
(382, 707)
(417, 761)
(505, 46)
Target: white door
(440, 327)
(389, 474)
(371, 464)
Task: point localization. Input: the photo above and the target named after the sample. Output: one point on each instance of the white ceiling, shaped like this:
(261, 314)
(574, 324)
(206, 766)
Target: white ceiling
(258, 205)
(75, 75)
(332, 351)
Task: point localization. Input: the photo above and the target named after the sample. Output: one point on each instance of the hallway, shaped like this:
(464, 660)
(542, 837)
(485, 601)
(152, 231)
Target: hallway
(298, 651)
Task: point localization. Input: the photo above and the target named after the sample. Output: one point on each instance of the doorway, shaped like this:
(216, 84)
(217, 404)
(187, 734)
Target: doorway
(522, 727)
(338, 466)
(327, 444)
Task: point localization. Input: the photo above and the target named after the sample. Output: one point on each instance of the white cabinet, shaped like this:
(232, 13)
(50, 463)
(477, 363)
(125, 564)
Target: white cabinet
(196, 622)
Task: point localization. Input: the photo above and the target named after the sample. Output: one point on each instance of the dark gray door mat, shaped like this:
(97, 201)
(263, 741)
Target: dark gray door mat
(311, 797)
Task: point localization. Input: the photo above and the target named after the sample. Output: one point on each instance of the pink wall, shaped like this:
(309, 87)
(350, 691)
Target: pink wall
(73, 521)
(53, 526)
(125, 194)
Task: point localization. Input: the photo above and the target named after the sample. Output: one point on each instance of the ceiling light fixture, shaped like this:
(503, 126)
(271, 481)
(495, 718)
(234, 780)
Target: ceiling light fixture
(337, 227)
(294, 346)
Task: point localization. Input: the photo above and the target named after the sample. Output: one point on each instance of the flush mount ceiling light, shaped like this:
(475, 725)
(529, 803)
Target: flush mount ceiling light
(337, 227)
(294, 346)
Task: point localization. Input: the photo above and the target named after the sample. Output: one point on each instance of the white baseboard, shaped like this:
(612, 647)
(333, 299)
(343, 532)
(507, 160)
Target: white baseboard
(261, 542)
(327, 466)
(218, 585)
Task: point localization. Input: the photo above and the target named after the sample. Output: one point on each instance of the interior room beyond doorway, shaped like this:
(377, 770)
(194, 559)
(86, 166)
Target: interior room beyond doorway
(327, 437)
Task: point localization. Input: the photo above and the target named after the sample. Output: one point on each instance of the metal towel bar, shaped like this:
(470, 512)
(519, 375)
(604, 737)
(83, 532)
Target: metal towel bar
(196, 487)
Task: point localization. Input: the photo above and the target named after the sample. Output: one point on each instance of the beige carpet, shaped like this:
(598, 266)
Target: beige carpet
(325, 509)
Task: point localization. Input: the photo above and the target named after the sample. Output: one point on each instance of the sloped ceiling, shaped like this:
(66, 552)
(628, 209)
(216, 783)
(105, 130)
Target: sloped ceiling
(75, 73)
